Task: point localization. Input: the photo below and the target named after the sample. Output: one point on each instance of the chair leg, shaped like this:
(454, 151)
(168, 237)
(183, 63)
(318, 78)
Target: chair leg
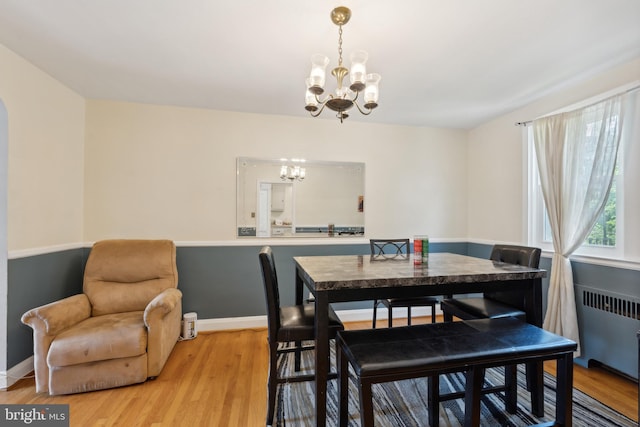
(375, 310)
(409, 315)
(390, 321)
(366, 403)
(433, 313)
(298, 356)
(343, 386)
(272, 382)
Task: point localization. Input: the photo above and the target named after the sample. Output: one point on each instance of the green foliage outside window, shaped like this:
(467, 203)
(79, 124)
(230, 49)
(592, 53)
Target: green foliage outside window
(604, 231)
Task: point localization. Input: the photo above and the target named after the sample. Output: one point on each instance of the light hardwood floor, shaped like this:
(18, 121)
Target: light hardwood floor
(219, 379)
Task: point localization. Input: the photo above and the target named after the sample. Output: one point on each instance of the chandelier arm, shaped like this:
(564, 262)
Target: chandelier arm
(369, 110)
(323, 101)
(319, 111)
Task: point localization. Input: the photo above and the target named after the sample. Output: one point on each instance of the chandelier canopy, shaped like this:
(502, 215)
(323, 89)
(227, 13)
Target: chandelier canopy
(344, 98)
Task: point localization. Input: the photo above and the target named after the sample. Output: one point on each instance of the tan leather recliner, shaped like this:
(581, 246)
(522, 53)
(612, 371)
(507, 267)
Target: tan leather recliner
(120, 330)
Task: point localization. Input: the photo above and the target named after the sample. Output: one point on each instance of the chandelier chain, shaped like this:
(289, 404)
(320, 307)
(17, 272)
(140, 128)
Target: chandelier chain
(340, 46)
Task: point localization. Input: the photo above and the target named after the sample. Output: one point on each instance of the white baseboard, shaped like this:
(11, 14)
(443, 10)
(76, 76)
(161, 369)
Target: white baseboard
(223, 324)
(10, 377)
(248, 322)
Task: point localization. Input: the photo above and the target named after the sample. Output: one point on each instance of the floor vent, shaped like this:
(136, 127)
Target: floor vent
(621, 305)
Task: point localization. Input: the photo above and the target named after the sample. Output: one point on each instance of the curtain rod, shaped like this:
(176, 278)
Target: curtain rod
(528, 122)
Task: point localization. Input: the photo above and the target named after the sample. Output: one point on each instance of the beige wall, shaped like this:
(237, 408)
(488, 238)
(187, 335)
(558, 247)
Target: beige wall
(160, 171)
(45, 159)
(496, 186)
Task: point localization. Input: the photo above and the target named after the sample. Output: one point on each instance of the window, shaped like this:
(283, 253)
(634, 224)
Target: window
(607, 238)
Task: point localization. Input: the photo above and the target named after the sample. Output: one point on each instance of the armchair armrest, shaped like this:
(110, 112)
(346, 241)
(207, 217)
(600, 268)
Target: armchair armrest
(162, 319)
(47, 321)
(163, 304)
(52, 318)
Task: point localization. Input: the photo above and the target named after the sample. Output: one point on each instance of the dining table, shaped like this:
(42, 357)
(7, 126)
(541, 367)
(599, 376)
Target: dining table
(342, 278)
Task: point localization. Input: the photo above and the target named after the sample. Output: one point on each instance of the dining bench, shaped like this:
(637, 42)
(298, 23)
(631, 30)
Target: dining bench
(394, 354)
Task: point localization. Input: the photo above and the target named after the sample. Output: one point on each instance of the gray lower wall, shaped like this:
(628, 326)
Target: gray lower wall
(608, 337)
(34, 281)
(224, 281)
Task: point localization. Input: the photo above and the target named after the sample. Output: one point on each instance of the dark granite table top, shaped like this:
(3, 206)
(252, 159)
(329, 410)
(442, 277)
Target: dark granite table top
(325, 273)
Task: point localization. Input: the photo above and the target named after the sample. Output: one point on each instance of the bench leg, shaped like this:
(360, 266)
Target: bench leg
(473, 392)
(433, 400)
(343, 386)
(535, 381)
(564, 390)
(366, 403)
(511, 388)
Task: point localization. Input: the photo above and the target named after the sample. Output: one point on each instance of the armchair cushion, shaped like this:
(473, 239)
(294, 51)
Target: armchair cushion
(128, 274)
(111, 336)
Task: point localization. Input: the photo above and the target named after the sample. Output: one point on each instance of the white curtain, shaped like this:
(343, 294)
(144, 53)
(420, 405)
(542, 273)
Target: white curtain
(576, 154)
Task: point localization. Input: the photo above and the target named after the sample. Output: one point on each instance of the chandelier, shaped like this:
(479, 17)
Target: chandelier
(292, 173)
(344, 98)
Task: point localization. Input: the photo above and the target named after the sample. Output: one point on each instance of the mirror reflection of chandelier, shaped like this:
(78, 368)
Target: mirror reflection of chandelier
(344, 98)
(292, 173)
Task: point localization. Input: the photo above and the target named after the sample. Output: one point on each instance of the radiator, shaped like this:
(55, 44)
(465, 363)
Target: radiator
(609, 323)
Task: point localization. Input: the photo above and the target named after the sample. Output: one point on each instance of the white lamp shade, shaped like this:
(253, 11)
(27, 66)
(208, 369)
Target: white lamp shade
(358, 70)
(318, 73)
(371, 90)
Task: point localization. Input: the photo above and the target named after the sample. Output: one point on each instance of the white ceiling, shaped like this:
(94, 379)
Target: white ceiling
(444, 63)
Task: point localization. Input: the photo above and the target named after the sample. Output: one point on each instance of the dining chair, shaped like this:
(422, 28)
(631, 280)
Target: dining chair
(494, 305)
(497, 304)
(398, 247)
(287, 324)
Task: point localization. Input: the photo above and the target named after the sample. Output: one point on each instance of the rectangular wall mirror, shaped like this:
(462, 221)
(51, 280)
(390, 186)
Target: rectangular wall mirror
(299, 198)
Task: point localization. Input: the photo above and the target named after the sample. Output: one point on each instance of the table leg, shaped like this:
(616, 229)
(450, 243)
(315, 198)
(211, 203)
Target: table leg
(533, 302)
(299, 288)
(322, 356)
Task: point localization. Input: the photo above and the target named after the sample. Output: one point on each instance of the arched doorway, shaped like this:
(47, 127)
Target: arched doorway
(4, 152)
